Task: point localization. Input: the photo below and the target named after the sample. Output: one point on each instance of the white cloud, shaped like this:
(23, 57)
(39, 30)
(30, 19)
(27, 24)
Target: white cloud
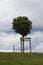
(37, 41)
(8, 40)
(10, 9)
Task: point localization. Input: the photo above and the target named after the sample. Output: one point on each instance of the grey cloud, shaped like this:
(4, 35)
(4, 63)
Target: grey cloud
(13, 8)
(10, 9)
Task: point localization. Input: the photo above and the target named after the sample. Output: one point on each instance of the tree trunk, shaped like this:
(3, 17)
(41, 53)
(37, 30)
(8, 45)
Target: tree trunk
(23, 44)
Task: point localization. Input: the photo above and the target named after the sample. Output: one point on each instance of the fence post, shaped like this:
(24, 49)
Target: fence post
(13, 48)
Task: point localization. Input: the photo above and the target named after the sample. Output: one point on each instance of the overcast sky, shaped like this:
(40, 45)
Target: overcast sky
(10, 9)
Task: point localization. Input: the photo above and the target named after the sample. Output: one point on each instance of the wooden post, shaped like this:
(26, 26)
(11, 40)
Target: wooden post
(13, 48)
(22, 39)
(30, 45)
(21, 44)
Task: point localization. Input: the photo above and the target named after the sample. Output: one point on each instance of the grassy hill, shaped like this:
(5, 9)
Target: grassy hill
(21, 58)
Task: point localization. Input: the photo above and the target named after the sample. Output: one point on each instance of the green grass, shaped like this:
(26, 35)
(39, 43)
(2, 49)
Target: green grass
(21, 58)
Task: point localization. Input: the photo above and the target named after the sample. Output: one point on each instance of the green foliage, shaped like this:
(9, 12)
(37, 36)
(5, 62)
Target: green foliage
(21, 59)
(22, 25)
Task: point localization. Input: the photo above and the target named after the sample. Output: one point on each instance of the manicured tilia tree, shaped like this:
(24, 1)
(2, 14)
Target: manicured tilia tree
(22, 25)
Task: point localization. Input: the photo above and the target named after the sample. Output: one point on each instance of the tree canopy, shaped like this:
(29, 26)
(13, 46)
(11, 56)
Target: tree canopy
(22, 25)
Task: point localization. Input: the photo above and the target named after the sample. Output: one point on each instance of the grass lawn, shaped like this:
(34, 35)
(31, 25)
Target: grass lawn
(21, 58)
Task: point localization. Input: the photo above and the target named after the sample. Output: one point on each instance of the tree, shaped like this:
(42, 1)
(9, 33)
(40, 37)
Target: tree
(22, 25)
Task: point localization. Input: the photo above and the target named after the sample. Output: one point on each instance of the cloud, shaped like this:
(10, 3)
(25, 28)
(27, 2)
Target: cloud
(37, 41)
(10, 9)
(8, 40)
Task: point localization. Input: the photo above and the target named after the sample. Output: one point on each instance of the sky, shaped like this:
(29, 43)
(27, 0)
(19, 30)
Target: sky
(10, 9)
